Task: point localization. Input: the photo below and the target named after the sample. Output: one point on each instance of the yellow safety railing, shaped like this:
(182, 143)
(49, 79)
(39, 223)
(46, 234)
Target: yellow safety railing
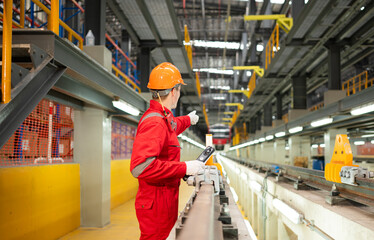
(6, 52)
(205, 116)
(357, 83)
(198, 87)
(127, 79)
(54, 21)
(317, 106)
(188, 45)
(251, 84)
(272, 46)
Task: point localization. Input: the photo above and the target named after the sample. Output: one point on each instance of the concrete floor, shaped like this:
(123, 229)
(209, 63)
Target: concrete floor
(123, 223)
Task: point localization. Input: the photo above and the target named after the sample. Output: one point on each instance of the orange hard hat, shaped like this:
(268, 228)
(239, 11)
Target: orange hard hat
(164, 76)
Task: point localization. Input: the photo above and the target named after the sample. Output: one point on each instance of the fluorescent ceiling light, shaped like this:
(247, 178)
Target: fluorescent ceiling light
(261, 139)
(256, 141)
(315, 146)
(124, 106)
(287, 148)
(296, 129)
(363, 110)
(255, 186)
(220, 87)
(214, 70)
(321, 122)
(214, 44)
(270, 137)
(372, 141)
(259, 48)
(287, 211)
(219, 98)
(249, 73)
(280, 134)
(273, 1)
(367, 135)
(240, 146)
(219, 130)
(322, 145)
(357, 143)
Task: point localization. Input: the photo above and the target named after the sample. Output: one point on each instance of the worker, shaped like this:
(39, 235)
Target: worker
(155, 159)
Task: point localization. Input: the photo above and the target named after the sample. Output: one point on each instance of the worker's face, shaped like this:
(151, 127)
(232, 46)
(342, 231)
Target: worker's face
(175, 93)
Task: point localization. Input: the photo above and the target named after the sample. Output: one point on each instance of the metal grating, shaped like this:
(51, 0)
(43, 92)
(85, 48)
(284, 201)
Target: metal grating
(136, 19)
(178, 59)
(158, 56)
(310, 19)
(329, 19)
(161, 16)
(278, 64)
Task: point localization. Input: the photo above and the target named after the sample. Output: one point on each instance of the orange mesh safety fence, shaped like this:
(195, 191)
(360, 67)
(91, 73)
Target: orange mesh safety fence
(46, 136)
(122, 140)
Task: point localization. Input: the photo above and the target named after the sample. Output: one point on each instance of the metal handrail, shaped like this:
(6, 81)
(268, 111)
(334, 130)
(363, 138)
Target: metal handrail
(119, 49)
(273, 41)
(127, 79)
(356, 83)
(54, 19)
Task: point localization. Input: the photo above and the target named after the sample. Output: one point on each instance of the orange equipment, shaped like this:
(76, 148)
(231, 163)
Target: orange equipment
(164, 76)
(341, 157)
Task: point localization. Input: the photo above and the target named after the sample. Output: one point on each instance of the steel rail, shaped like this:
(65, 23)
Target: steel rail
(363, 193)
(200, 223)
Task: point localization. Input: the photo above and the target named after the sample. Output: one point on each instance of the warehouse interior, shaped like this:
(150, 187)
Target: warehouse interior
(283, 90)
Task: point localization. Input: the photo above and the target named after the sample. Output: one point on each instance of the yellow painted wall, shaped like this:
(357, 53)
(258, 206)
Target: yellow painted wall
(123, 185)
(39, 202)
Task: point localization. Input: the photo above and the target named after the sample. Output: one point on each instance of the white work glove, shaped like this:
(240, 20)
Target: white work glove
(193, 117)
(194, 167)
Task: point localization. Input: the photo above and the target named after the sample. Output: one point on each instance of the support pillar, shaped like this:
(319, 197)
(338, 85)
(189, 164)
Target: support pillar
(335, 92)
(299, 98)
(329, 138)
(267, 115)
(95, 14)
(144, 67)
(93, 131)
(271, 225)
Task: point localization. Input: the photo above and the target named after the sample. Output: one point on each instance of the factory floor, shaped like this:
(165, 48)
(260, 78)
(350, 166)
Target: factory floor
(123, 223)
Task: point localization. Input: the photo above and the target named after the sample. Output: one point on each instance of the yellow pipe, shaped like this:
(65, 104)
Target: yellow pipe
(263, 17)
(54, 16)
(22, 15)
(7, 52)
(226, 119)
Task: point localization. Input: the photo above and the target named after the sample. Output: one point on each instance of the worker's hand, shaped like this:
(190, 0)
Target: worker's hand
(193, 117)
(194, 167)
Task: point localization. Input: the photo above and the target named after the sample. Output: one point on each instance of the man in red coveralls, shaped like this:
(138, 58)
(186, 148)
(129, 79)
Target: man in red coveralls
(155, 159)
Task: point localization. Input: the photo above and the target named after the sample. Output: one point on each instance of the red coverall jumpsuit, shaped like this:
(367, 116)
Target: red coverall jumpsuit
(155, 161)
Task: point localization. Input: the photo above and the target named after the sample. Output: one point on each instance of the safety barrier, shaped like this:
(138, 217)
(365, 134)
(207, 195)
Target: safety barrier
(272, 46)
(357, 83)
(316, 107)
(45, 136)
